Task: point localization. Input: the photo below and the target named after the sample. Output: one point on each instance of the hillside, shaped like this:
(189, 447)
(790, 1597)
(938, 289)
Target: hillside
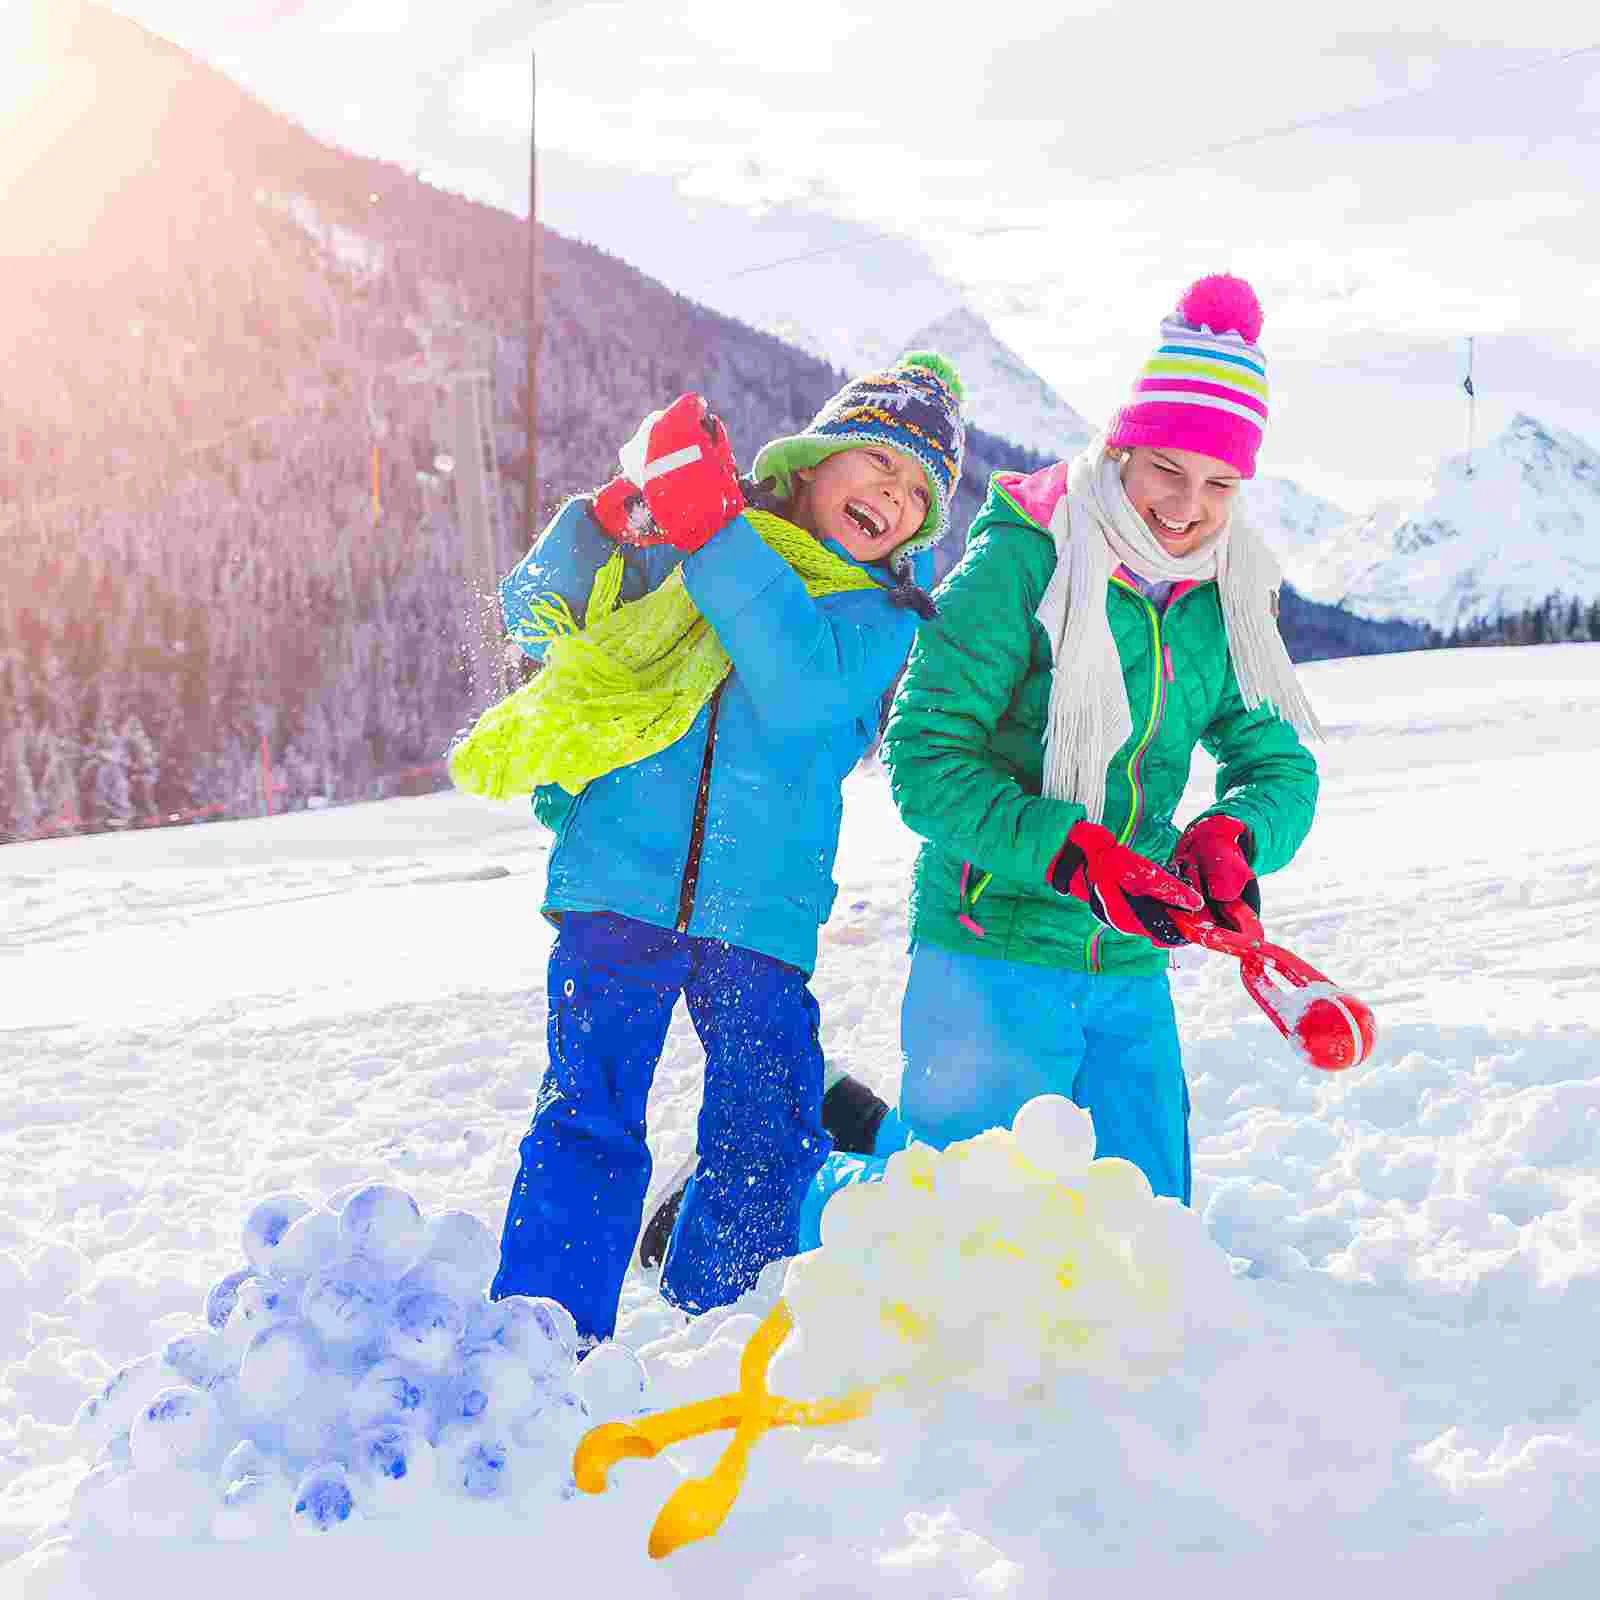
(233, 568)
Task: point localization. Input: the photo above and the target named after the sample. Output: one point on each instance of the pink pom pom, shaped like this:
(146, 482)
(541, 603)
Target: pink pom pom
(1224, 304)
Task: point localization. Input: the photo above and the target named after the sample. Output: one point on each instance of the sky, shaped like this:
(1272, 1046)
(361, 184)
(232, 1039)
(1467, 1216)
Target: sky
(1057, 168)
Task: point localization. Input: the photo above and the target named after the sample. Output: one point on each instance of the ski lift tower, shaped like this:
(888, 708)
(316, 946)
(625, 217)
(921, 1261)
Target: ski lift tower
(462, 380)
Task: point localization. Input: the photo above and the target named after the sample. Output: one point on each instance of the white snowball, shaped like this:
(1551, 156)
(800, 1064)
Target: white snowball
(278, 1367)
(347, 1301)
(424, 1328)
(395, 1392)
(322, 1499)
(1116, 1194)
(613, 1383)
(308, 1245)
(198, 1358)
(259, 1304)
(480, 1462)
(177, 1425)
(393, 1468)
(539, 1330)
(463, 1245)
(266, 1225)
(223, 1294)
(245, 1460)
(496, 1383)
(102, 1416)
(384, 1224)
(1055, 1135)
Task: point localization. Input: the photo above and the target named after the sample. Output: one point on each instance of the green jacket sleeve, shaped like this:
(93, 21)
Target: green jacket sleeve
(1266, 777)
(964, 671)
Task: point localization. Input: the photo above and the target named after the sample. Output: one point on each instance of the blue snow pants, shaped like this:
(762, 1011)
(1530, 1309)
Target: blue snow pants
(979, 1038)
(576, 1205)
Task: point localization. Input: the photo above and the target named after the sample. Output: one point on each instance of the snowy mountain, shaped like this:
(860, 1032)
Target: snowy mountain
(1495, 534)
(1293, 520)
(1005, 396)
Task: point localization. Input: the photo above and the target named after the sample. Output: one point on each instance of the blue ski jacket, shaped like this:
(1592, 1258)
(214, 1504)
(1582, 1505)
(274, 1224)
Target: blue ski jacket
(730, 833)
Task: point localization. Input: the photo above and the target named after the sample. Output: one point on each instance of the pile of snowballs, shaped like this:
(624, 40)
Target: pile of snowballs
(999, 1265)
(354, 1367)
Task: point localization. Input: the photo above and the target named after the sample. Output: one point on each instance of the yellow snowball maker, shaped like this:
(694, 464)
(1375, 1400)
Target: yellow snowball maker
(698, 1506)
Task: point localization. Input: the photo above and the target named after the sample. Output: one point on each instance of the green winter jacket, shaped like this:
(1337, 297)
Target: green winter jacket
(964, 746)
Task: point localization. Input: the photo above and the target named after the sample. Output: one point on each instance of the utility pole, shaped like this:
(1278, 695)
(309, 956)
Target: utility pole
(533, 309)
(1472, 405)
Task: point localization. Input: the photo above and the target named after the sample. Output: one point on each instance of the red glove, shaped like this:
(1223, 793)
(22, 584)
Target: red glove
(682, 460)
(619, 508)
(1125, 890)
(1213, 856)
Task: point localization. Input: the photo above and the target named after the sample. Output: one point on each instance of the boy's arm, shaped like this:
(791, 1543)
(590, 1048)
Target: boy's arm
(807, 667)
(964, 670)
(1266, 778)
(562, 565)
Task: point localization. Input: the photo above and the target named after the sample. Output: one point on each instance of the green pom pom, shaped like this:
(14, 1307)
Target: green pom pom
(936, 364)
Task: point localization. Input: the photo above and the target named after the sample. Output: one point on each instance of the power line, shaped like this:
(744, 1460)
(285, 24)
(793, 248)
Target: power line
(1167, 164)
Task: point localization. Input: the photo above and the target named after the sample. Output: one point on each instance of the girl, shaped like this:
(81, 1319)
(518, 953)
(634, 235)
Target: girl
(1109, 615)
(696, 826)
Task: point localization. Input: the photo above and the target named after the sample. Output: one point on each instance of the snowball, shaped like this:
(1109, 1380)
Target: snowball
(266, 1225)
(1116, 1194)
(480, 1463)
(347, 1301)
(538, 1330)
(308, 1245)
(496, 1382)
(259, 1304)
(112, 1411)
(199, 1358)
(393, 1467)
(613, 1382)
(461, 1245)
(244, 1460)
(322, 1499)
(1055, 1135)
(223, 1294)
(278, 1367)
(392, 1391)
(384, 1224)
(424, 1327)
(177, 1425)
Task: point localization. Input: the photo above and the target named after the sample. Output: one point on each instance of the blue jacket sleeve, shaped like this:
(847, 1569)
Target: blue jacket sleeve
(562, 565)
(808, 666)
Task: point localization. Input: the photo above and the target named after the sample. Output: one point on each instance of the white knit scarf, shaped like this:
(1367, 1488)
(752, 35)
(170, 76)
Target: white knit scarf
(1097, 529)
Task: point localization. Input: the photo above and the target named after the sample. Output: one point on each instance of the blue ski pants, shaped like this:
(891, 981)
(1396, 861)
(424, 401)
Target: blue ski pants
(979, 1038)
(576, 1204)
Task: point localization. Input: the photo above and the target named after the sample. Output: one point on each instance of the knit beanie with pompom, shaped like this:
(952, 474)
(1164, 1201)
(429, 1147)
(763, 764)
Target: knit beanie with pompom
(914, 406)
(1205, 388)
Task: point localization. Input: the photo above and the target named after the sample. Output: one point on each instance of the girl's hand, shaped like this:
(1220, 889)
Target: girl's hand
(1211, 855)
(1125, 890)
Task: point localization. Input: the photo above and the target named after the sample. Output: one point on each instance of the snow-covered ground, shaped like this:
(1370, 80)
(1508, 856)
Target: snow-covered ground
(191, 1019)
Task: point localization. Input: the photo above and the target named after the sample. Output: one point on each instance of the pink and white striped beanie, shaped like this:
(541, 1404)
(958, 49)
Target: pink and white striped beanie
(1205, 388)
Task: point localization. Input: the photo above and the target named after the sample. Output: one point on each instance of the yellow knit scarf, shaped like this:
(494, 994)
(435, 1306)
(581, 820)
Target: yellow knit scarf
(624, 686)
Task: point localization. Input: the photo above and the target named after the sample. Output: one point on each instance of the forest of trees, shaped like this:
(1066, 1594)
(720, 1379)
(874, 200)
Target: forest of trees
(195, 567)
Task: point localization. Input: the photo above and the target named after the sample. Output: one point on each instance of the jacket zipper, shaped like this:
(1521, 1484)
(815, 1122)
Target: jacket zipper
(697, 830)
(1161, 661)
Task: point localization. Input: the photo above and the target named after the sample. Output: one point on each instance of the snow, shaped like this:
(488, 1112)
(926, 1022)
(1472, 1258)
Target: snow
(1496, 533)
(1390, 1381)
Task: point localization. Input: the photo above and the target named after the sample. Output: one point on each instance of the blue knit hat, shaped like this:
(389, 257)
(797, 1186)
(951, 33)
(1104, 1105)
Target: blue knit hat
(914, 406)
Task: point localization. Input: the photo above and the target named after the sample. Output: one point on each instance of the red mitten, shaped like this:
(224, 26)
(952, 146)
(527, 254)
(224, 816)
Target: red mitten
(620, 509)
(1211, 856)
(1125, 890)
(682, 460)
